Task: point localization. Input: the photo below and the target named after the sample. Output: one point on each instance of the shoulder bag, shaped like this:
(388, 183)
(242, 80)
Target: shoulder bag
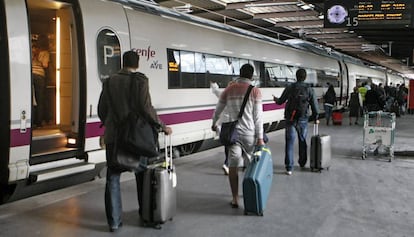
(135, 137)
(228, 131)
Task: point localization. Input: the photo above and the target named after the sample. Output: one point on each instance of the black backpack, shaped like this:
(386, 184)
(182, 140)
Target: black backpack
(298, 101)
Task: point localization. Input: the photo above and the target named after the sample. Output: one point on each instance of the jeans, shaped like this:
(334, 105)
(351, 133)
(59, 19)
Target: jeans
(301, 128)
(328, 113)
(41, 99)
(113, 201)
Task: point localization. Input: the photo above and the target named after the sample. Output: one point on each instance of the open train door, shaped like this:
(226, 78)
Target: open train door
(58, 125)
(4, 101)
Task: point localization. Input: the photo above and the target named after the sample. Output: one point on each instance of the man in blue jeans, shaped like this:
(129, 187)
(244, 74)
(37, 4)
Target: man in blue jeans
(299, 96)
(139, 99)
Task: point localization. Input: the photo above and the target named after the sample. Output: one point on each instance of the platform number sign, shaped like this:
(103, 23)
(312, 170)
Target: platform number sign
(369, 14)
(338, 14)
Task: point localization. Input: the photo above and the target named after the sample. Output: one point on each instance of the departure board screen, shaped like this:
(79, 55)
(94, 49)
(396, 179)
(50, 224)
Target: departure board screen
(373, 14)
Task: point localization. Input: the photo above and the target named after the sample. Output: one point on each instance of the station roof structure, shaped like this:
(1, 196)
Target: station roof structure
(304, 19)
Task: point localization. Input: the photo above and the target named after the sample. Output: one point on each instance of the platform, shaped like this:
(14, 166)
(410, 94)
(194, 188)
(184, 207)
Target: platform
(355, 197)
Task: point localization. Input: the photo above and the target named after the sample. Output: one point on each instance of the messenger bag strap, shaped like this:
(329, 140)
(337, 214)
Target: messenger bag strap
(246, 96)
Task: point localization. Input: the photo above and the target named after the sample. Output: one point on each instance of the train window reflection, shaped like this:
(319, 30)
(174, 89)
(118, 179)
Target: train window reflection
(187, 62)
(196, 70)
(200, 62)
(278, 75)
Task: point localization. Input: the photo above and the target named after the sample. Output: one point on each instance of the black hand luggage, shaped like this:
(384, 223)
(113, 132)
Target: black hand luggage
(320, 152)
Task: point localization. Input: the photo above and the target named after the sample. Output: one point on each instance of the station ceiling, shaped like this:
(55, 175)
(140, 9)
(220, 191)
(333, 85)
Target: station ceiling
(303, 19)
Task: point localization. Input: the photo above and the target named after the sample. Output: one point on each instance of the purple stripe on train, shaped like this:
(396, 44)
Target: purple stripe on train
(95, 129)
(19, 139)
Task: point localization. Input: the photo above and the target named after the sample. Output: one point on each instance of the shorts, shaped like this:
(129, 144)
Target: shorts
(239, 154)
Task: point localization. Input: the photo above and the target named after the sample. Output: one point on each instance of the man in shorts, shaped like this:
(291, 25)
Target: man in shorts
(249, 127)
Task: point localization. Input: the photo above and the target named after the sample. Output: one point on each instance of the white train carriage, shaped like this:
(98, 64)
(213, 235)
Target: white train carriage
(180, 54)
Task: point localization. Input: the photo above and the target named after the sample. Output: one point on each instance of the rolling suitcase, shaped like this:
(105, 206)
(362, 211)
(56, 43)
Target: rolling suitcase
(337, 118)
(159, 191)
(257, 181)
(320, 152)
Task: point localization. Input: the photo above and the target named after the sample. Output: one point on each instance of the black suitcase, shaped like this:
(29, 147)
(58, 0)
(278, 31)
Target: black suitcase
(159, 199)
(320, 152)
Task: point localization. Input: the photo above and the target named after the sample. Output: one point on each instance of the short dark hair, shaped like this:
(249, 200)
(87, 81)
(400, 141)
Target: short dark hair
(130, 59)
(301, 74)
(246, 71)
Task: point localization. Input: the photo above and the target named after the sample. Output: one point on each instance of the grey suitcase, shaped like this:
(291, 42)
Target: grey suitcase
(159, 199)
(320, 152)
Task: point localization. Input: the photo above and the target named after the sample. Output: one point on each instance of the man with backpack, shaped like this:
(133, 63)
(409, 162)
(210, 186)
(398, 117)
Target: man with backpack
(298, 96)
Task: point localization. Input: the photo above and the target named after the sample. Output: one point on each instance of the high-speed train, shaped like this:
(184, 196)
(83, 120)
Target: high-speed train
(181, 55)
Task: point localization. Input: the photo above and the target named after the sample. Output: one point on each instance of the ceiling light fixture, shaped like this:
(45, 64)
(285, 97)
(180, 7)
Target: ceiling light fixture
(185, 9)
(272, 4)
(306, 6)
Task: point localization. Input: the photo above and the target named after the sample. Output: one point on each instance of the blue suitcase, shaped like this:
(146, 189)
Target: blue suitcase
(257, 181)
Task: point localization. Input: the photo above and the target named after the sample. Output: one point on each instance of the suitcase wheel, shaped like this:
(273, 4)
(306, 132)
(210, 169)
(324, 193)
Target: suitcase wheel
(259, 214)
(316, 170)
(157, 226)
(153, 225)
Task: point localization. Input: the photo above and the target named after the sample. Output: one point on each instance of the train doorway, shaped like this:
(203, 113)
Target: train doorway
(55, 81)
(4, 99)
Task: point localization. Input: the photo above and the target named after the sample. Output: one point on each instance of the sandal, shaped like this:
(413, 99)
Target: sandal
(234, 205)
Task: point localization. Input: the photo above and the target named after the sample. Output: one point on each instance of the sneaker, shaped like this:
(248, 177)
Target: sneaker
(225, 169)
(289, 172)
(115, 228)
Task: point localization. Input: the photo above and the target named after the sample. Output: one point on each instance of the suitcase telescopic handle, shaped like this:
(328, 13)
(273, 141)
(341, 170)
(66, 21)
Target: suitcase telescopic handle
(168, 151)
(315, 129)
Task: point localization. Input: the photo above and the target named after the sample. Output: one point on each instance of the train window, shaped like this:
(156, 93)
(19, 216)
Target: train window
(187, 61)
(196, 70)
(279, 75)
(200, 62)
(327, 77)
(109, 54)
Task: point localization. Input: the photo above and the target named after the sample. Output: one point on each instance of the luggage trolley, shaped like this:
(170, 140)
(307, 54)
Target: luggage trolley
(378, 134)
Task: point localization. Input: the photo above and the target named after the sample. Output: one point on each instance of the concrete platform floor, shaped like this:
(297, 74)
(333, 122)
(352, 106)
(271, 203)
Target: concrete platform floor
(356, 197)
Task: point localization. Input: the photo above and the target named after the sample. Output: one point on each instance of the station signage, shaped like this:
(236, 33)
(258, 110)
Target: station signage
(369, 14)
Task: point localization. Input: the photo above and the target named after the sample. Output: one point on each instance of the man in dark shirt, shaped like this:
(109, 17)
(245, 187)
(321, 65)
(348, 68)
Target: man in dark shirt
(298, 124)
(121, 93)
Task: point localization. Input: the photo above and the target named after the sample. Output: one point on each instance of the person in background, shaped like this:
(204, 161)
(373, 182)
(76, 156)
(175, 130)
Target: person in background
(373, 102)
(329, 102)
(250, 126)
(354, 106)
(298, 124)
(381, 93)
(402, 95)
(363, 91)
(120, 86)
(40, 63)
